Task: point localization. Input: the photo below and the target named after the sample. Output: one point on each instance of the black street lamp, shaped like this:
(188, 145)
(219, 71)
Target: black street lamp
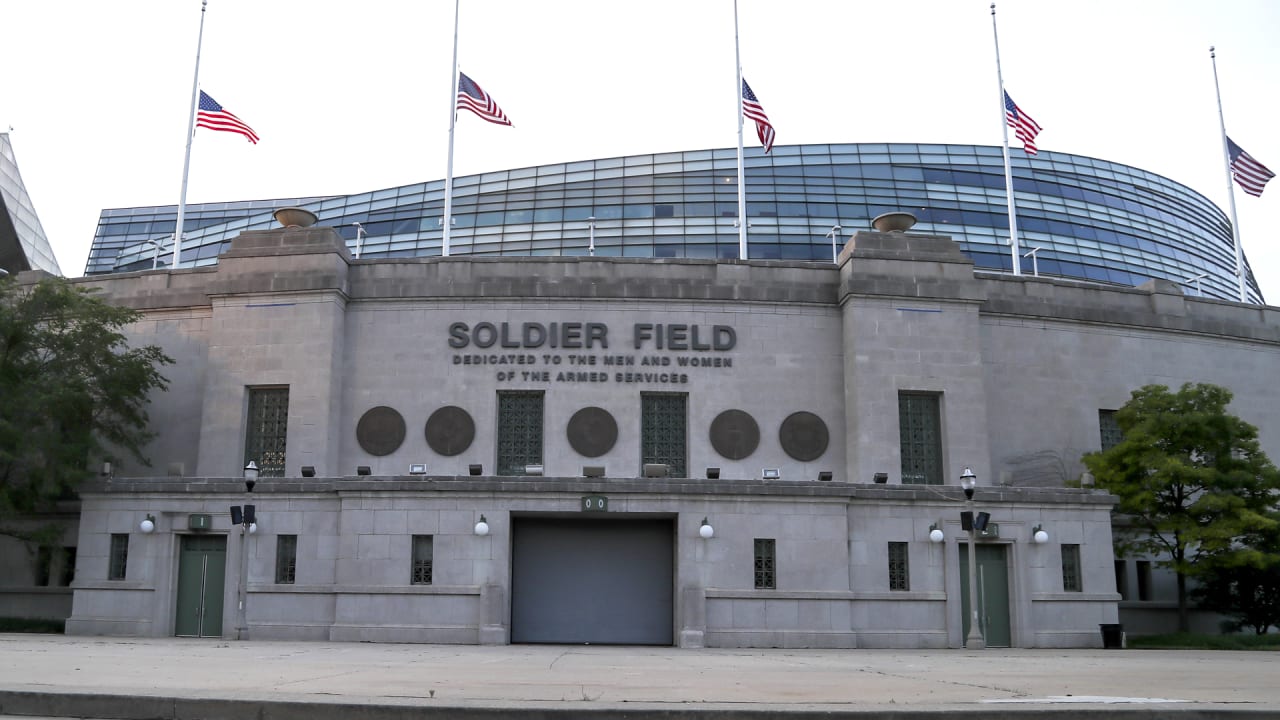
(968, 481)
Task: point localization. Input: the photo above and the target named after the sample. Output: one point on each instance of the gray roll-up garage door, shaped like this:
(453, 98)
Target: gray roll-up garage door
(606, 581)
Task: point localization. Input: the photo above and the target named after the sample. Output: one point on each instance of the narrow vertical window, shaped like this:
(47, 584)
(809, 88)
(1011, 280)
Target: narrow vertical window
(519, 431)
(920, 437)
(1144, 579)
(899, 570)
(44, 565)
(267, 429)
(286, 558)
(1071, 580)
(421, 560)
(119, 559)
(664, 431)
(765, 578)
(68, 565)
(1122, 579)
(1108, 429)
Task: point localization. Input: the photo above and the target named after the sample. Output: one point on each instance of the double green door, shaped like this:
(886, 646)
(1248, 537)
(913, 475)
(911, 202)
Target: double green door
(202, 565)
(993, 593)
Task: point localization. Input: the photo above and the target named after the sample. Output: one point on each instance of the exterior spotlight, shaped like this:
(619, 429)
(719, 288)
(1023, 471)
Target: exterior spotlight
(250, 476)
(482, 527)
(770, 474)
(308, 471)
(824, 476)
(968, 481)
(475, 469)
(935, 534)
(706, 532)
(148, 525)
(880, 478)
(1039, 535)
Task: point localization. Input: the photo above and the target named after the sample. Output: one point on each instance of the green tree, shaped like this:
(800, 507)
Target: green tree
(72, 393)
(1245, 587)
(1191, 479)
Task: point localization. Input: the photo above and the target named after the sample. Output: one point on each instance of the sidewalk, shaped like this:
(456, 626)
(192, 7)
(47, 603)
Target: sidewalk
(138, 679)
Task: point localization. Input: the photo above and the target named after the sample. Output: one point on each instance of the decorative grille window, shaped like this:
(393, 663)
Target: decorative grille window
(765, 578)
(1071, 580)
(119, 558)
(519, 431)
(664, 431)
(1109, 429)
(286, 558)
(267, 429)
(920, 435)
(422, 560)
(899, 571)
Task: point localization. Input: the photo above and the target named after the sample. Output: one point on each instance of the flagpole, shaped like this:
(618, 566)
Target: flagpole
(742, 176)
(1008, 169)
(191, 133)
(1231, 192)
(447, 220)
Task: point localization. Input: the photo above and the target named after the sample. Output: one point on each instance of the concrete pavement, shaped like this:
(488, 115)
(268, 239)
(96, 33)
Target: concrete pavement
(182, 679)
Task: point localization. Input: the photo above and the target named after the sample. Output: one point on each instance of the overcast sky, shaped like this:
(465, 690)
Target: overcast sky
(349, 97)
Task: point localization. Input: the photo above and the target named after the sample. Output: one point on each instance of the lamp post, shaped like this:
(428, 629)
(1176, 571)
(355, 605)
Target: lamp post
(974, 641)
(246, 518)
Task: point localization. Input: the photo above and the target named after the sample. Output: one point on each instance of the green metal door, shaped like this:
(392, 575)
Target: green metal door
(993, 593)
(202, 565)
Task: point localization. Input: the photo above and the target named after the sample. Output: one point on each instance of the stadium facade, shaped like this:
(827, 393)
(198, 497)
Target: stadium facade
(1088, 219)
(23, 245)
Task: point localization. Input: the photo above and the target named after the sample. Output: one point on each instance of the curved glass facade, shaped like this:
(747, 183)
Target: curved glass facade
(1090, 219)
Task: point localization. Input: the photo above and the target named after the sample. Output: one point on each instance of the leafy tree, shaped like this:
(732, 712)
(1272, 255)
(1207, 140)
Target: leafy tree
(1192, 480)
(1245, 588)
(72, 392)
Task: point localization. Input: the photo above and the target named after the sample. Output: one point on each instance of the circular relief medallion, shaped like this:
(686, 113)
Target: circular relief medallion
(450, 430)
(380, 430)
(803, 436)
(735, 434)
(592, 431)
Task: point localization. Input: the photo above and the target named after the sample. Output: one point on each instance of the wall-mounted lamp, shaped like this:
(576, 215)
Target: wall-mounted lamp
(534, 470)
(935, 534)
(705, 531)
(482, 527)
(250, 476)
(308, 471)
(1039, 535)
(148, 524)
(880, 478)
(713, 473)
(824, 476)
(106, 470)
(770, 474)
(417, 469)
(592, 471)
(475, 469)
(363, 470)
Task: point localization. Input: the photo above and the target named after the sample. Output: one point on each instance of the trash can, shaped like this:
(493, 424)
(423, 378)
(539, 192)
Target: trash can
(1112, 635)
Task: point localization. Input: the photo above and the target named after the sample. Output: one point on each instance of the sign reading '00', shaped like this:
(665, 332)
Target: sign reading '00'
(659, 353)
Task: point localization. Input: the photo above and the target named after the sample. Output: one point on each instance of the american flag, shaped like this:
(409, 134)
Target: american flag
(211, 115)
(1023, 126)
(752, 109)
(471, 97)
(1249, 173)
